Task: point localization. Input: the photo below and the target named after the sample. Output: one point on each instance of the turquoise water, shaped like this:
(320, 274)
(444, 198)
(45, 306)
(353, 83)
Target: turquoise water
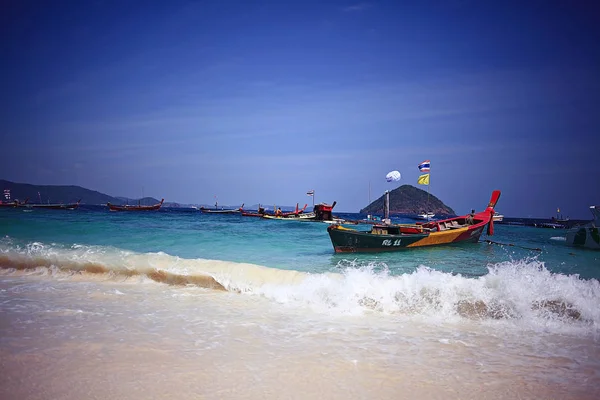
(281, 244)
(290, 261)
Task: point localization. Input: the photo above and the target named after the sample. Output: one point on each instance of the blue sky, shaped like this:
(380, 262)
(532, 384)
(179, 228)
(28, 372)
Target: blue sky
(260, 101)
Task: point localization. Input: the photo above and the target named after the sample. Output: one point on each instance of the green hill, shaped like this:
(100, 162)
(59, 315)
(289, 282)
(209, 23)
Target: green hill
(408, 199)
(64, 194)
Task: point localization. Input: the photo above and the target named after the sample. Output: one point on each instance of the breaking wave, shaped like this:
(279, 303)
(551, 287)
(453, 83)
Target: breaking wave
(522, 291)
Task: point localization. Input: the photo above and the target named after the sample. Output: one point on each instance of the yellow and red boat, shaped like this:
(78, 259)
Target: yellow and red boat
(395, 237)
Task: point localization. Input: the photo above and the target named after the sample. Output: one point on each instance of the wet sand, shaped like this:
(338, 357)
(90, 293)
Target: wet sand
(86, 337)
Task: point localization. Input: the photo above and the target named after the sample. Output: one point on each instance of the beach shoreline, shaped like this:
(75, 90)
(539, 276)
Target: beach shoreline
(81, 338)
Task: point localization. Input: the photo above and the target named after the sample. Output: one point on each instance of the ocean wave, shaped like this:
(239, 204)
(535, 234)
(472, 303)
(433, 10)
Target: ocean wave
(519, 290)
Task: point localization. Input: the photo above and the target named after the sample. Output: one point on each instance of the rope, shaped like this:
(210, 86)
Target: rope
(512, 245)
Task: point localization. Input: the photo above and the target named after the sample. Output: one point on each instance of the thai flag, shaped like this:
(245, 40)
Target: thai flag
(424, 166)
(310, 193)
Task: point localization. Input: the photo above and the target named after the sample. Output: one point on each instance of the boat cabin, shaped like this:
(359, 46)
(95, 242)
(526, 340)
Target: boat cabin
(323, 211)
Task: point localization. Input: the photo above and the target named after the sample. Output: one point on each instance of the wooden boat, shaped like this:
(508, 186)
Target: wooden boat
(559, 219)
(321, 213)
(61, 206)
(127, 207)
(588, 235)
(221, 211)
(390, 237)
(261, 212)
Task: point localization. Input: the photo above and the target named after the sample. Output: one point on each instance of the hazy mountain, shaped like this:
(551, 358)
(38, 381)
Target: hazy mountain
(63, 194)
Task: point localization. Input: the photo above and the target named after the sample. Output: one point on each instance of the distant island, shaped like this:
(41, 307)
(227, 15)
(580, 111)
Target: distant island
(65, 194)
(408, 199)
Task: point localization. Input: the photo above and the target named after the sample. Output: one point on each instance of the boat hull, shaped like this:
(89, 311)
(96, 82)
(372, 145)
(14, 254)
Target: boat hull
(308, 217)
(346, 240)
(154, 207)
(586, 237)
(208, 211)
(70, 206)
(55, 206)
(251, 214)
(11, 205)
(311, 216)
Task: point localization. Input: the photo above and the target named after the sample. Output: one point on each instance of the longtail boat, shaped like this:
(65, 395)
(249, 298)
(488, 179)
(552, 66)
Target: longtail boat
(127, 207)
(222, 211)
(588, 235)
(261, 212)
(321, 213)
(395, 237)
(59, 206)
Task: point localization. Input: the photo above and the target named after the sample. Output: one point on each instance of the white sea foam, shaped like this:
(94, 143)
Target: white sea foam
(521, 293)
(559, 238)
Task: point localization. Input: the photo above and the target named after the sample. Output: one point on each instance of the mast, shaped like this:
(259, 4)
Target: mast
(386, 207)
(428, 205)
(369, 206)
(311, 193)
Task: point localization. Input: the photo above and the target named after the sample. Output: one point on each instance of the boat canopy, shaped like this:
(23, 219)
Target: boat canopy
(596, 213)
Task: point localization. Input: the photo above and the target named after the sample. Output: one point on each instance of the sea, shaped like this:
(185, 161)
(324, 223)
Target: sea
(184, 305)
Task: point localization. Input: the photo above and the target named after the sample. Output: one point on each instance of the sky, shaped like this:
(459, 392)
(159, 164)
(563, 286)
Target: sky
(260, 101)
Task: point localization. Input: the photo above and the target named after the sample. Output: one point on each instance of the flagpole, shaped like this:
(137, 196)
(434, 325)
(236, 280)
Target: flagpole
(311, 193)
(428, 204)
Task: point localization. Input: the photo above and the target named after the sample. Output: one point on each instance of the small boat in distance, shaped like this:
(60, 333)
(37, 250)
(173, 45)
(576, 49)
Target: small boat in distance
(14, 203)
(498, 217)
(588, 235)
(60, 206)
(321, 213)
(395, 237)
(216, 210)
(261, 212)
(127, 207)
(427, 216)
(559, 219)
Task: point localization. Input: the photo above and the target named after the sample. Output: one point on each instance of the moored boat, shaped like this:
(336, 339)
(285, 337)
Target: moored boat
(127, 207)
(394, 237)
(322, 212)
(261, 212)
(13, 204)
(216, 210)
(59, 206)
(588, 235)
(559, 219)
(427, 216)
